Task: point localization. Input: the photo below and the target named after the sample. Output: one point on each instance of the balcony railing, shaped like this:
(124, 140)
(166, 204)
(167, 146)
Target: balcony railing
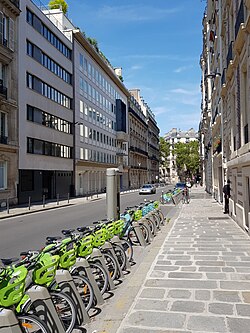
(230, 53)
(240, 18)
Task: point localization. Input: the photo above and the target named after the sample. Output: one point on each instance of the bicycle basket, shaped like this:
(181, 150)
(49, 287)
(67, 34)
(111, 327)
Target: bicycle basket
(100, 237)
(156, 204)
(13, 286)
(110, 227)
(45, 269)
(119, 225)
(86, 246)
(138, 214)
(67, 254)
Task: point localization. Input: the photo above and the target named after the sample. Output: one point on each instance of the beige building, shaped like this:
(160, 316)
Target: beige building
(172, 137)
(225, 87)
(9, 12)
(152, 140)
(138, 146)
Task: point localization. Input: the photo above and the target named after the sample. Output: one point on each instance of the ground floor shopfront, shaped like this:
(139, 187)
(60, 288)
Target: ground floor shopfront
(239, 203)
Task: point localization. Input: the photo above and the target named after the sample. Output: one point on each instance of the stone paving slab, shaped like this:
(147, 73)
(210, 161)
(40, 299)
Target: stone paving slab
(200, 279)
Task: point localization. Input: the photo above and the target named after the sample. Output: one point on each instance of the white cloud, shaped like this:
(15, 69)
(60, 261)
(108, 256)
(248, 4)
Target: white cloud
(136, 12)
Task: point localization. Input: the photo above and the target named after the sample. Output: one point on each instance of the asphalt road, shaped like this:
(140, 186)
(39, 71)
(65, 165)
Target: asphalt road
(28, 232)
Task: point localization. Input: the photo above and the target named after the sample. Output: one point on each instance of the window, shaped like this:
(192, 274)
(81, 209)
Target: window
(3, 127)
(46, 90)
(3, 175)
(6, 31)
(38, 25)
(40, 147)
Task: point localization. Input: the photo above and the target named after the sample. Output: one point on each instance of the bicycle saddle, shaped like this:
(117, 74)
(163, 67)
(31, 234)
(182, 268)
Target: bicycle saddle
(8, 261)
(53, 238)
(67, 231)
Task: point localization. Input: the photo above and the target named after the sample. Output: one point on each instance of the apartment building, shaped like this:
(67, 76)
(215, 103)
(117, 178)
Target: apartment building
(9, 13)
(138, 145)
(225, 88)
(152, 138)
(46, 108)
(172, 137)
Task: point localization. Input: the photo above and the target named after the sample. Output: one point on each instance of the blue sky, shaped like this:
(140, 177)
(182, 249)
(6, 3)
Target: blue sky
(157, 44)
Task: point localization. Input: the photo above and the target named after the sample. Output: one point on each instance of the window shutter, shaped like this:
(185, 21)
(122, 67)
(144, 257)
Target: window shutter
(1, 27)
(11, 35)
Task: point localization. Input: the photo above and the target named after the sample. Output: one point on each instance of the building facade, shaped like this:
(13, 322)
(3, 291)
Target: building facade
(46, 108)
(101, 118)
(9, 13)
(173, 137)
(138, 145)
(152, 149)
(226, 71)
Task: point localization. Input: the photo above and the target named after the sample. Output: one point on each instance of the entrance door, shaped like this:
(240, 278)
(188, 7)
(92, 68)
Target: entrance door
(48, 184)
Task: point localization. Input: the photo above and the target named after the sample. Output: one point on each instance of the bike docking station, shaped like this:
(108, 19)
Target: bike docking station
(113, 201)
(97, 255)
(44, 308)
(83, 263)
(67, 285)
(9, 322)
(116, 240)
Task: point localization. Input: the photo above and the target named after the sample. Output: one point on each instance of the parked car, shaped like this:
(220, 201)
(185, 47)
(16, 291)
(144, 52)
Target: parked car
(147, 189)
(181, 186)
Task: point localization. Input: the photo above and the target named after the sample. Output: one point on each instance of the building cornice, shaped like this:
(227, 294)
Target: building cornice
(92, 52)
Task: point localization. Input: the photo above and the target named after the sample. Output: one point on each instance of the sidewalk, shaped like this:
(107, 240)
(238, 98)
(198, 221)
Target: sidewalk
(52, 204)
(195, 277)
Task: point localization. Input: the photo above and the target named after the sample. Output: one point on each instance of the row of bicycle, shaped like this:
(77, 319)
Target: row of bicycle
(53, 290)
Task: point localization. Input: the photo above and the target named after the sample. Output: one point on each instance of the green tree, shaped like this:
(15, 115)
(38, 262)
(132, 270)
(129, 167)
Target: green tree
(164, 151)
(55, 4)
(187, 158)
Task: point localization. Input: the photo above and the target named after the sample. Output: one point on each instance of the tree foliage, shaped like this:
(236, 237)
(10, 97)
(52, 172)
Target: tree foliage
(55, 4)
(187, 157)
(164, 151)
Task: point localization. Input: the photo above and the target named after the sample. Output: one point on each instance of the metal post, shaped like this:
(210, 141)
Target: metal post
(57, 199)
(29, 202)
(8, 206)
(44, 200)
(68, 197)
(111, 197)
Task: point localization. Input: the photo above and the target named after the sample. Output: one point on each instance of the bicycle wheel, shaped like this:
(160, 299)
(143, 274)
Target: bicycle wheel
(128, 248)
(161, 216)
(31, 324)
(156, 220)
(152, 226)
(100, 275)
(111, 265)
(145, 232)
(85, 290)
(120, 254)
(65, 309)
